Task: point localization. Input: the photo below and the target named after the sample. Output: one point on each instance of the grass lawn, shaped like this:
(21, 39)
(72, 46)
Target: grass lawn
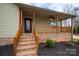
(75, 37)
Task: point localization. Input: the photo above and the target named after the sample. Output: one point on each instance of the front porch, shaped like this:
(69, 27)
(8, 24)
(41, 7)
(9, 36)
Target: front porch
(41, 26)
(44, 30)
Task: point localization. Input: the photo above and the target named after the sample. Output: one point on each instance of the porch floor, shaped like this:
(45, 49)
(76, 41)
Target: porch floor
(61, 49)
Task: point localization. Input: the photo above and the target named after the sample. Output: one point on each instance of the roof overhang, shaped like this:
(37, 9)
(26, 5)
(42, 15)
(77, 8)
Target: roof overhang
(28, 9)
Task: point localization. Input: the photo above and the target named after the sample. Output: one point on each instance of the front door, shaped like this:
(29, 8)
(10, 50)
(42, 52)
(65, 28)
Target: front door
(27, 25)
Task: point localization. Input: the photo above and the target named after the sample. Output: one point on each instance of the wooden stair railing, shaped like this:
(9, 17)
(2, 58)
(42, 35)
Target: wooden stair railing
(17, 39)
(36, 37)
(48, 28)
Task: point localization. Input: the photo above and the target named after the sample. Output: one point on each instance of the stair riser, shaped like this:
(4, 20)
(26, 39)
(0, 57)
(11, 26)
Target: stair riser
(26, 44)
(26, 40)
(25, 37)
(29, 54)
(28, 49)
(29, 39)
(27, 34)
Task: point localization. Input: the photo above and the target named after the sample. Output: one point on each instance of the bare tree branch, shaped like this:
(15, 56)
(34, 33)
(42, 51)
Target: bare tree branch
(67, 9)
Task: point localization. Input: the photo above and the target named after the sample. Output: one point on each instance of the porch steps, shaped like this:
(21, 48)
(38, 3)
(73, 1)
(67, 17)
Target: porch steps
(26, 46)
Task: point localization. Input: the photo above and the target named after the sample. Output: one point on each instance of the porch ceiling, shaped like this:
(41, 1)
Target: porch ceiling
(28, 10)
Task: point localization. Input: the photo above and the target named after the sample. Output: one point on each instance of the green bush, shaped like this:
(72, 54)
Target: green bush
(78, 29)
(50, 43)
(74, 30)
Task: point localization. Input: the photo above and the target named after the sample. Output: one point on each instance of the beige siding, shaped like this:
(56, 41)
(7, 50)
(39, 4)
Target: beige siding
(42, 21)
(9, 15)
(42, 24)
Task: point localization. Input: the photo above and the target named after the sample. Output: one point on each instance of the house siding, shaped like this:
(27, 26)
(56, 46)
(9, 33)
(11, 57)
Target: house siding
(9, 17)
(41, 24)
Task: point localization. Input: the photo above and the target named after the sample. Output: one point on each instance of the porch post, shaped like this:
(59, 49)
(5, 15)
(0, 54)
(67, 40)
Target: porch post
(34, 31)
(20, 18)
(34, 21)
(61, 26)
(71, 29)
(56, 24)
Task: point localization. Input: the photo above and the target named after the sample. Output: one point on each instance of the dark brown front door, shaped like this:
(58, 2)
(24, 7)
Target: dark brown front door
(27, 25)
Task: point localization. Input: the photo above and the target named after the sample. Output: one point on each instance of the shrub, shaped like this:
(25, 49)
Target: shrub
(74, 30)
(50, 43)
(78, 29)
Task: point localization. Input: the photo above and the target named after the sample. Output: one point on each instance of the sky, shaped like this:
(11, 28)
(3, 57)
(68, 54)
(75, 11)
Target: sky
(53, 6)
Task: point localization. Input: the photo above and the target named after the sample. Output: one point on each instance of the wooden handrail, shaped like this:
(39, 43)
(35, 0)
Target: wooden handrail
(37, 39)
(52, 28)
(17, 39)
(36, 36)
(18, 33)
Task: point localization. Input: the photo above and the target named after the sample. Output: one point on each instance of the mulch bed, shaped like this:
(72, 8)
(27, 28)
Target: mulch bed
(60, 49)
(6, 50)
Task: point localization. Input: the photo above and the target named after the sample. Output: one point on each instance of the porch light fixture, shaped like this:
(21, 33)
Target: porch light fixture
(51, 18)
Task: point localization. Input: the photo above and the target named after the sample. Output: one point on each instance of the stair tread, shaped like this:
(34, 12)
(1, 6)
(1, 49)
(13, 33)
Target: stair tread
(26, 44)
(26, 40)
(27, 34)
(26, 37)
(26, 47)
(29, 49)
(29, 53)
